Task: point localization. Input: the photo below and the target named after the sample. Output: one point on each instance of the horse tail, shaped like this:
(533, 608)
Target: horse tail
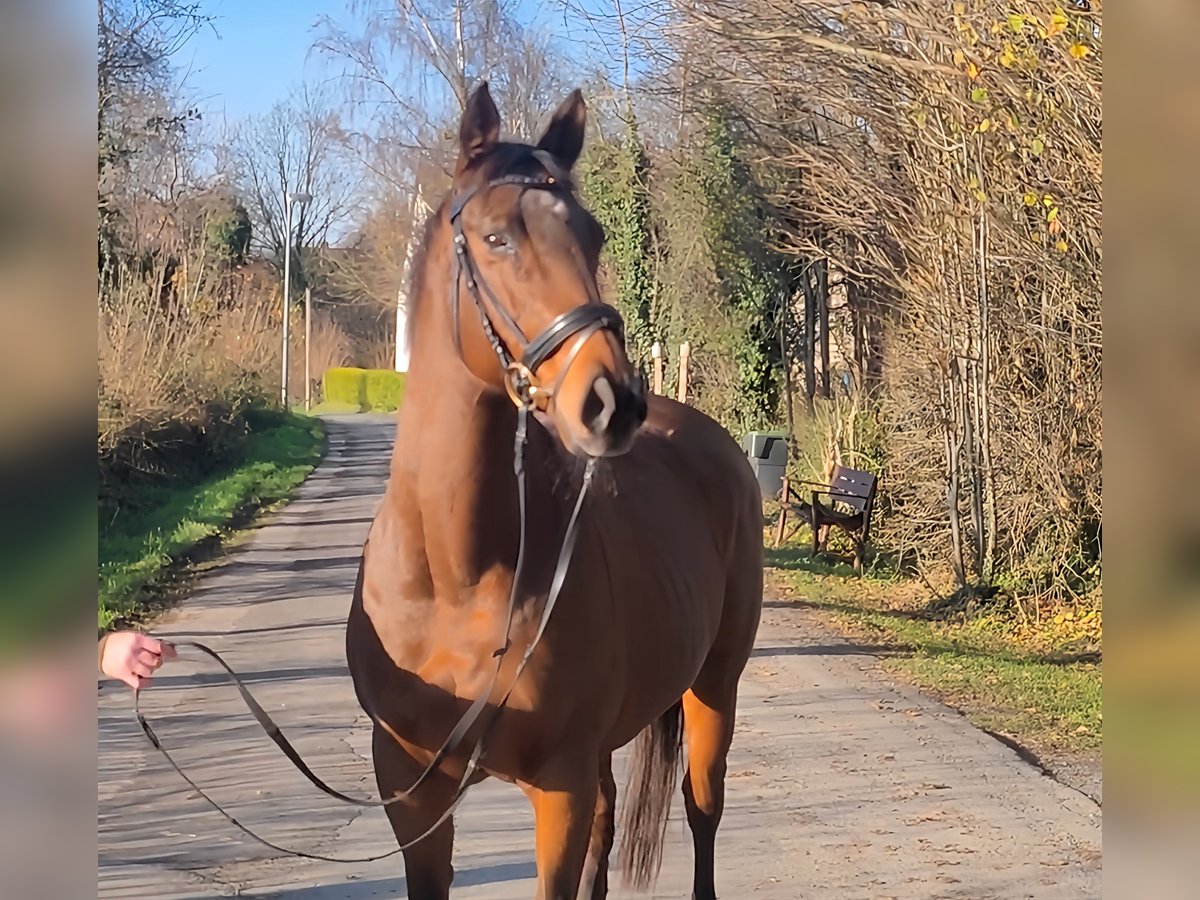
(653, 770)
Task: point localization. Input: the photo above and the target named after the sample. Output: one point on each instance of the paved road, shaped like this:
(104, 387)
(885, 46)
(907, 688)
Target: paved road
(842, 784)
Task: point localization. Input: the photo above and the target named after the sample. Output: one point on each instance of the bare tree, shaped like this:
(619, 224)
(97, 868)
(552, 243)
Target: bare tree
(945, 160)
(411, 65)
(143, 141)
(296, 148)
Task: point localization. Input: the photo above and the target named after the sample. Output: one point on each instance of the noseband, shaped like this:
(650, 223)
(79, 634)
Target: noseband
(520, 370)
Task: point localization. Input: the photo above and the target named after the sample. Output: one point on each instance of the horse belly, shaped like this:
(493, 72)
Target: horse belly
(671, 626)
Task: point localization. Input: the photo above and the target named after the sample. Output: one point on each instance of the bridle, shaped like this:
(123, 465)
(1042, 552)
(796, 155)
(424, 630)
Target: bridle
(580, 322)
(526, 392)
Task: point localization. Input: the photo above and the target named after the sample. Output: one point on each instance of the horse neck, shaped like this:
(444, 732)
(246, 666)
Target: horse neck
(452, 468)
(459, 484)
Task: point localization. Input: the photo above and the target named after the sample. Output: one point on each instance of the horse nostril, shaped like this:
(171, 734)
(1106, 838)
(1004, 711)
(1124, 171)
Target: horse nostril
(608, 408)
(599, 406)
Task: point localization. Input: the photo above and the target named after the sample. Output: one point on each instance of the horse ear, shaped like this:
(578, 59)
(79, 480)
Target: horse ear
(480, 127)
(564, 135)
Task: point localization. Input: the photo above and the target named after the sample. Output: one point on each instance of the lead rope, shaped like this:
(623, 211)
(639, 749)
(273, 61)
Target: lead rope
(273, 731)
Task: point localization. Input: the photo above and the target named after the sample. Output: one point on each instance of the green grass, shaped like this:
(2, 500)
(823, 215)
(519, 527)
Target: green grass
(163, 521)
(1048, 699)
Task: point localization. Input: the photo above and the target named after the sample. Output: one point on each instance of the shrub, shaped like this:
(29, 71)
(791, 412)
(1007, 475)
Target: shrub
(385, 389)
(345, 384)
(171, 352)
(371, 390)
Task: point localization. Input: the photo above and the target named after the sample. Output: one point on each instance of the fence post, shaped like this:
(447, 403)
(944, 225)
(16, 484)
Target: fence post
(308, 348)
(685, 351)
(656, 352)
(785, 498)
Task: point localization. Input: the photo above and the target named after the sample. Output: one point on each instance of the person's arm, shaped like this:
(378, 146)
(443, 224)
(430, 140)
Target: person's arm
(132, 657)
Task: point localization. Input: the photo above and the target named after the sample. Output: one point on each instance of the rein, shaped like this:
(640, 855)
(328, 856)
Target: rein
(520, 381)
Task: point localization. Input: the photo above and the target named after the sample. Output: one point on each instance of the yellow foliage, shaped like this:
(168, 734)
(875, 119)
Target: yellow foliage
(985, 125)
(1067, 627)
(1031, 199)
(1058, 23)
(972, 71)
(1079, 51)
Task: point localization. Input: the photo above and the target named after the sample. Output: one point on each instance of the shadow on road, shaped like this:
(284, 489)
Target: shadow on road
(397, 887)
(829, 650)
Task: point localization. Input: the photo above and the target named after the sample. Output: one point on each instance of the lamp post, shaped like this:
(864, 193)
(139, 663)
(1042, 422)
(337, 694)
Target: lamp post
(289, 200)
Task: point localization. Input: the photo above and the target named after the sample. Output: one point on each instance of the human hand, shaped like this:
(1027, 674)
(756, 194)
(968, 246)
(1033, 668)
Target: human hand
(132, 657)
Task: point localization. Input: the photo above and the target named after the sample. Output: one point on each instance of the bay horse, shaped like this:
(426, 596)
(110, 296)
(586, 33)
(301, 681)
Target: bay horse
(663, 592)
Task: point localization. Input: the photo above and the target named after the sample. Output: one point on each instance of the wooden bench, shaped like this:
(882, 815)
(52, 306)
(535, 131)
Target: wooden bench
(851, 489)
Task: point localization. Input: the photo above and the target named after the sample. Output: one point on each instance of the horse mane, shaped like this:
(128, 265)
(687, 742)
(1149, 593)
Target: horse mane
(417, 276)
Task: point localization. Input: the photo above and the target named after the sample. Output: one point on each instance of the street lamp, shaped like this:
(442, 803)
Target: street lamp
(289, 200)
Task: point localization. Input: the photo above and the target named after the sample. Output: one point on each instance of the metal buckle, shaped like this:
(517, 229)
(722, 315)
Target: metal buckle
(521, 386)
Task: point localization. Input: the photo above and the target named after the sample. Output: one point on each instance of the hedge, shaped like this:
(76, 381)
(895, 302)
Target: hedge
(385, 389)
(371, 390)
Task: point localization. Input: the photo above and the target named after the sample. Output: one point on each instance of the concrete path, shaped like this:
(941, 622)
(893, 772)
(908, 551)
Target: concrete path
(841, 784)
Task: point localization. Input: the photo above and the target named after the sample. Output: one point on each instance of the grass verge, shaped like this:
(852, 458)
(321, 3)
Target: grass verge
(1038, 686)
(162, 522)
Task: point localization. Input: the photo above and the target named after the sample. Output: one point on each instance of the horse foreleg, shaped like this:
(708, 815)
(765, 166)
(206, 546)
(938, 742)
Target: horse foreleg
(594, 885)
(564, 801)
(428, 869)
(708, 716)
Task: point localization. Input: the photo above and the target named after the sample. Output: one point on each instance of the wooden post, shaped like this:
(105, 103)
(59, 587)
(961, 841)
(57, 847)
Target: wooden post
(810, 338)
(308, 348)
(785, 496)
(823, 322)
(685, 351)
(656, 353)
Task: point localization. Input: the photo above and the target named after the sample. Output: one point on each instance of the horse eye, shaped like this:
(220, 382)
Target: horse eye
(496, 240)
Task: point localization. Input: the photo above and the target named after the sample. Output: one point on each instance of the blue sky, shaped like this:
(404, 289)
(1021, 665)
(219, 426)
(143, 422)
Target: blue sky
(259, 50)
(258, 53)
